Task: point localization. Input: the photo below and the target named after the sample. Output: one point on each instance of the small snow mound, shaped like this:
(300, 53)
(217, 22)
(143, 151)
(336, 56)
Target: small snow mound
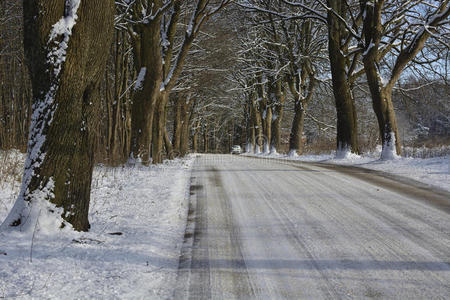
(293, 153)
(345, 153)
(273, 151)
(389, 154)
(266, 148)
(134, 161)
(257, 149)
(388, 151)
(249, 148)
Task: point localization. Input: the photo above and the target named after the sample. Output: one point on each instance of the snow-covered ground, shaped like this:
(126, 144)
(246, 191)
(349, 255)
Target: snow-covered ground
(138, 218)
(434, 171)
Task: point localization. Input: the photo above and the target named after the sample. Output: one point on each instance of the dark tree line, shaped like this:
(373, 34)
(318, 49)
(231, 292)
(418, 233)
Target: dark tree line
(15, 89)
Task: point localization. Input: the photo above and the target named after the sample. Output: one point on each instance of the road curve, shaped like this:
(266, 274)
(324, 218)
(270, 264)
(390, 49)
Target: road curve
(263, 229)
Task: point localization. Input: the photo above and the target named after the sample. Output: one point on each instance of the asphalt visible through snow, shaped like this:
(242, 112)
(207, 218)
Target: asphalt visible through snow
(265, 229)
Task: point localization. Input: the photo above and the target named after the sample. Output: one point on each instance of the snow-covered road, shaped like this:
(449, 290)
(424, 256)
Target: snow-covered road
(268, 230)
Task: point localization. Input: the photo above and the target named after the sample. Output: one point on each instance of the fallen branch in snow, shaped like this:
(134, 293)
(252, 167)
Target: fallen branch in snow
(87, 241)
(115, 233)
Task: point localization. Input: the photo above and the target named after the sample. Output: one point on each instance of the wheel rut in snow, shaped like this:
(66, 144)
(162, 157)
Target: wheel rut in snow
(196, 225)
(402, 185)
(200, 262)
(240, 280)
(434, 196)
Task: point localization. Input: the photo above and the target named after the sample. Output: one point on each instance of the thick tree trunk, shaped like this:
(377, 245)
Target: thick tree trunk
(276, 132)
(250, 128)
(185, 128)
(347, 137)
(253, 139)
(168, 145)
(384, 110)
(303, 97)
(142, 116)
(267, 128)
(120, 79)
(60, 156)
(177, 124)
(159, 125)
(148, 64)
(266, 117)
(259, 145)
(381, 95)
(387, 123)
(205, 139)
(195, 137)
(277, 117)
(296, 136)
(257, 125)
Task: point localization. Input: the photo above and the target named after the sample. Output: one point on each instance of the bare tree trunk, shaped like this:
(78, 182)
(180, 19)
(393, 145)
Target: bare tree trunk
(382, 93)
(186, 126)
(258, 124)
(176, 139)
(148, 64)
(60, 156)
(278, 93)
(205, 139)
(302, 98)
(266, 116)
(168, 145)
(347, 137)
(159, 125)
(267, 128)
(195, 137)
(120, 79)
(384, 110)
(250, 127)
(296, 136)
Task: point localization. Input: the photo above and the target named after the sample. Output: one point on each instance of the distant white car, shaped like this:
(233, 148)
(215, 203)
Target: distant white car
(236, 149)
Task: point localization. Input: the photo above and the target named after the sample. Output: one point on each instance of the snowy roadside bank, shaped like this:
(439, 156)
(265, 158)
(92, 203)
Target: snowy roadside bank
(138, 218)
(433, 171)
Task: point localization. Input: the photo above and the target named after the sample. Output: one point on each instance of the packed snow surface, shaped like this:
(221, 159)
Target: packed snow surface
(137, 217)
(434, 171)
(269, 229)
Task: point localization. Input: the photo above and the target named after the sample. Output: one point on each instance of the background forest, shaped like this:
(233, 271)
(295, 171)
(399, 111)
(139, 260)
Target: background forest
(208, 109)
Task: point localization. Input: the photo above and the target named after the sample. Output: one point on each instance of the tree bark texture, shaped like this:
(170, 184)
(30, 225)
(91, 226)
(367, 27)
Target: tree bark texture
(60, 156)
(381, 95)
(148, 63)
(302, 98)
(347, 137)
(278, 94)
(382, 92)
